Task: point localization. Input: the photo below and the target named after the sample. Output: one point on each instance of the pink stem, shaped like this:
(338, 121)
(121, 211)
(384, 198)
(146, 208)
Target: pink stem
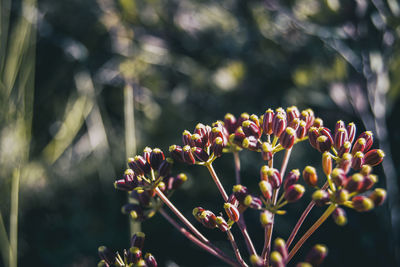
(217, 182)
(235, 248)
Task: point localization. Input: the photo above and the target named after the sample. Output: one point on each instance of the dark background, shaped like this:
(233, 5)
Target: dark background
(189, 62)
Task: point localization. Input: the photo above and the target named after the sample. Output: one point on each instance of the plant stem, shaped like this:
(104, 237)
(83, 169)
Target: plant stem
(14, 218)
(217, 182)
(4, 243)
(237, 166)
(312, 229)
(235, 248)
(301, 220)
(180, 216)
(196, 241)
(269, 230)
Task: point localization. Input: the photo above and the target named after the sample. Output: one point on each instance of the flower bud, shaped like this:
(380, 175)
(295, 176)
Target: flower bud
(266, 189)
(243, 117)
(280, 246)
(374, 157)
(134, 254)
(308, 116)
(339, 216)
(369, 139)
(318, 122)
(222, 224)
(165, 167)
(200, 154)
(250, 128)
(317, 255)
(291, 178)
(230, 123)
(217, 147)
(362, 203)
(294, 192)
(150, 260)
(232, 212)
(266, 151)
(301, 130)
(354, 183)
(359, 146)
(327, 163)
(323, 143)
(276, 259)
(267, 121)
(310, 176)
(137, 240)
(279, 124)
(320, 197)
(340, 125)
(188, 155)
(378, 196)
(292, 113)
(240, 192)
(345, 148)
(340, 138)
(345, 162)
(274, 178)
(252, 202)
(266, 218)
(295, 123)
(146, 153)
(176, 153)
(357, 161)
(287, 138)
(368, 182)
(313, 136)
(156, 158)
(139, 165)
(106, 255)
(187, 138)
(250, 143)
(207, 219)
(351, 132)
(341, 196)
(338, 177)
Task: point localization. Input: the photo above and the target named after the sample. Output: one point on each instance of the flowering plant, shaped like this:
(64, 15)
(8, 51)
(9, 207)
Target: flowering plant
(347, 181)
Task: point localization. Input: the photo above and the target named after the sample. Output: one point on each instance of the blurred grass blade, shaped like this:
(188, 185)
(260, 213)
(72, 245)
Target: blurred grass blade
(14, 218)
(5, 8)
(4, 243)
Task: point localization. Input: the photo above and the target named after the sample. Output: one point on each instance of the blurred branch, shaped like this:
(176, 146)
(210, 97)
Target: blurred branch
(14, 218)
(4, 243)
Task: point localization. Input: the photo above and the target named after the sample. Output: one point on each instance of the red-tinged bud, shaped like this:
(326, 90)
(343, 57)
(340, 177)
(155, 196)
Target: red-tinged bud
(362, 203)
(274, 177)
(230, 123)
(308, 116)
(217, 147)
(215, 133)
(134, 254)
(357, 161)
(121, 184)
(176, 182)
(341, 196)
(202, 130)
(266, 189)
(266, 151)
(106, 255)
(369, 139)
(325, 132)
(250, 128)
(276, 259)
(327, 163)
(240, 192)
(340, 125)
(291, 178)
(287, 138)
(156, 158)
(323, 144)
(130, 178)
(359, 146)
(368, 182)
(267, 121)
(317, 255)
(295, 123)
(266, 218)
(303, 264)
(150, 260)
(345, 162)
(310, 176)
(318, 122)
(340, 138)
(250, 143)
(338, 177)
(197, 141)
(301, 130)
(238, 136)
(254, 118)
(279, 124)
(351, 132)
(134, 210)
(196, 212)
(344, 149)
(320, 197)
(313, 136)
(142, 164)
(378, 196)
(232, 199)
(188, 155)
(176, 153)
(252, 202)
(143, 197)
(187, 138)
(208, 219)
(243, 117)
(294, 192)
(366, 170)
(200, 154)
(146, 153)
(374, 157)
(222, 224)
(339, 216)
(165, 167)
(280, 246)
(292, 113)
(132, 165)
(264, 173)
(354, 183)
(280, 110)
(256, 261)
(232, 212)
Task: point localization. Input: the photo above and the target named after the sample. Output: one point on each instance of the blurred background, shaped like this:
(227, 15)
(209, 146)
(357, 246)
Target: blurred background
(84, 84)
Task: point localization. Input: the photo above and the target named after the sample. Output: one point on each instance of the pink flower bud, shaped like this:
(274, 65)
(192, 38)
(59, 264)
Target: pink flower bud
(310, 176)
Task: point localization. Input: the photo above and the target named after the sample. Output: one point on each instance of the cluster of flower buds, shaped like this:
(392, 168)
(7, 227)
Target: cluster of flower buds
(133, 257)
(145, 173)
(208, 219)
(203, 145)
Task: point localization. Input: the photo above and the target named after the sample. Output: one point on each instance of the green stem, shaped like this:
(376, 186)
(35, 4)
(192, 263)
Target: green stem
(312, 229)
(14, 218)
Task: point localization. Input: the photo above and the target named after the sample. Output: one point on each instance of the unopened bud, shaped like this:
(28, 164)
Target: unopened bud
(266, 218)
(339, 216)
(274, 178)
(280, 246)
(277, 259)
(327, 163)
(310, 176)
(362, 203)
(341, 196)
(378, 196)
(354, 183)
(320, 197)
(374, 157)
(317, 255)
(232, 212)
(266, 189)
(291, 178)
(357, 161)
(294, 192)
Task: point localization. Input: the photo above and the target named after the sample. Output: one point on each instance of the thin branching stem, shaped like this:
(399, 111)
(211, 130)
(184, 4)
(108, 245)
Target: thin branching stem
(217, 182)
(237, 166)
(235, 248)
